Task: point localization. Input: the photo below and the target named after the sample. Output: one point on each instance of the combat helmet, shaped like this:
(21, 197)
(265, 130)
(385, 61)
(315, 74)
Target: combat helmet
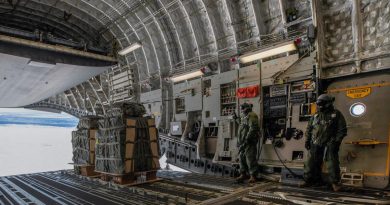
(324, 102)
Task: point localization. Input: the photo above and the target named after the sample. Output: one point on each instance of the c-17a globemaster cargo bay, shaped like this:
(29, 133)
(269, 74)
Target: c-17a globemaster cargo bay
(261, 101)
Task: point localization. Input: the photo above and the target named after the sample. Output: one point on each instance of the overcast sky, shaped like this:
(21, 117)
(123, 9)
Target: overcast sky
(20, 116)
(32, 113)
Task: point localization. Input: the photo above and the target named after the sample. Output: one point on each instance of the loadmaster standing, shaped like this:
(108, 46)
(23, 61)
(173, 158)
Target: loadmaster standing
(248, 136)
(325, 131)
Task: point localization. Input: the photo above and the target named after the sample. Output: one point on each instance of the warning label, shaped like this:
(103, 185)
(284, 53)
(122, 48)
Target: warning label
(358, 92)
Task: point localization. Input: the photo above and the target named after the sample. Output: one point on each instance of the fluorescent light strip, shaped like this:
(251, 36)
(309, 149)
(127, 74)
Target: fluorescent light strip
(268, 53)
(187, 76)
(129, 49)
(40, 64)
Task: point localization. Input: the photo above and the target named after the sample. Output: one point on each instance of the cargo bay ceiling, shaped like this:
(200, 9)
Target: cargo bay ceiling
(182, 35)
(176, 35)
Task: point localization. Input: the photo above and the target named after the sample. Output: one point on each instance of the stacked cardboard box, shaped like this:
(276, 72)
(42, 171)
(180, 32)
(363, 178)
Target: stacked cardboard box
(142, 150)
(83, 143)
(109, 145)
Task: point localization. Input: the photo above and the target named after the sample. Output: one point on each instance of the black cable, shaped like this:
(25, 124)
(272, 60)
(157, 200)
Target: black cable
(281, 161)
(285, 166)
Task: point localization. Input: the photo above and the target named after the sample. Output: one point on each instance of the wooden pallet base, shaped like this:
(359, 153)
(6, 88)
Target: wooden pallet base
(105, 177)
(125, 179)
(132, 178)
(88, 171)
(146, 182)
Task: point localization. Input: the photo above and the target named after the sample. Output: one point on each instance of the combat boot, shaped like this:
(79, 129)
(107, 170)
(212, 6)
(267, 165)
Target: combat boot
(312, 183)
(241, 178)
(252, 179)
(336, 187)
(306, 184)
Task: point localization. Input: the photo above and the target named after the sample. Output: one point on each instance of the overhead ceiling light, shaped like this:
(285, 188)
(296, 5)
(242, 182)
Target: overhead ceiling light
(287, 47)
(41, 64)
(187, 76)
(130, 48)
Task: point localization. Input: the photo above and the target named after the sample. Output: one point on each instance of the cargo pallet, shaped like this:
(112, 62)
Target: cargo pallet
(131, 175)
(131, 178)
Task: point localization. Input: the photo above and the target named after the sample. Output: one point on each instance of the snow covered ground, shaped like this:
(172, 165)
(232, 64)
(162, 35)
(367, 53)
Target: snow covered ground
(29, 149)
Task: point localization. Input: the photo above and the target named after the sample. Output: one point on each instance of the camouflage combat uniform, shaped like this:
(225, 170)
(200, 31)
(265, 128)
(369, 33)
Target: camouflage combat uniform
(325, 131)
(247, 142)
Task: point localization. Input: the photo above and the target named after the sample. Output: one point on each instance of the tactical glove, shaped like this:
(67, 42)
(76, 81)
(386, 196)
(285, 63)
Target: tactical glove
(307, 145)
(235, 115)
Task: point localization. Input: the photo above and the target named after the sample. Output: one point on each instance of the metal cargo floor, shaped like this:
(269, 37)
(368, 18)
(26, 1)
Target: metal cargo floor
(63, 187)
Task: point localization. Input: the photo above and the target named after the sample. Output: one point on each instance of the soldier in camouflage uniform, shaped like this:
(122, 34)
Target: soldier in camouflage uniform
(248, 136)
(325, 131)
